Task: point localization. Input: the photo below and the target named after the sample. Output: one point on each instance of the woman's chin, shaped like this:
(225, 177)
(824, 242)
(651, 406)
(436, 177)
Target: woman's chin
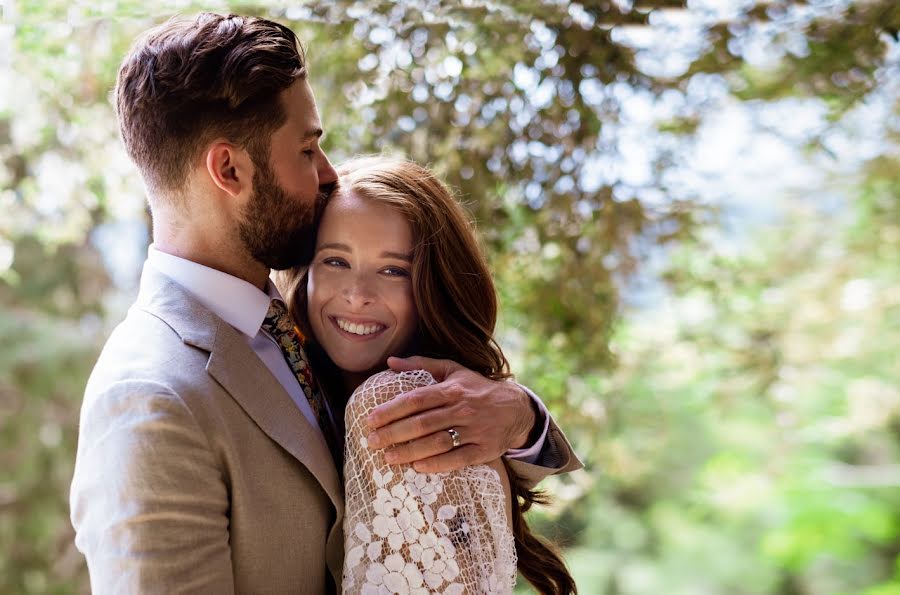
(369, 366)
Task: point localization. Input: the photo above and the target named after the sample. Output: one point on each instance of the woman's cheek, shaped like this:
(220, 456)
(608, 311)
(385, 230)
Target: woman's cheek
(315, 299)
(404, 307)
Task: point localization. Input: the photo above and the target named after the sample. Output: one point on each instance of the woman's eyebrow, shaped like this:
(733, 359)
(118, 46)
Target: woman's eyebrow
(397, 255)
(335, 246)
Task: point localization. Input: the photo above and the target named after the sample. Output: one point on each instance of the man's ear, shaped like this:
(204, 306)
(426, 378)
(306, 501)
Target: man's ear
(230, 168)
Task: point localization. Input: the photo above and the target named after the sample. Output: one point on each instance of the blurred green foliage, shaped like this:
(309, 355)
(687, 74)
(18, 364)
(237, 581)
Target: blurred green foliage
(740, 431)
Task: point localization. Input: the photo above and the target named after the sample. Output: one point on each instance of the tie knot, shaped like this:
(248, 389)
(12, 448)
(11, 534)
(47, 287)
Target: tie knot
(277, 321)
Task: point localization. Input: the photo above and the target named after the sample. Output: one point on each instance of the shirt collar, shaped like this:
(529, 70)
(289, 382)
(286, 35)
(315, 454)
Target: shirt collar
(237, 302)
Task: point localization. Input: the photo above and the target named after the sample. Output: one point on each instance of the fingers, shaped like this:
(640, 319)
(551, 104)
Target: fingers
(402, 406)
(452, 460)
(439, 368)
(423, 448)
(419, 424)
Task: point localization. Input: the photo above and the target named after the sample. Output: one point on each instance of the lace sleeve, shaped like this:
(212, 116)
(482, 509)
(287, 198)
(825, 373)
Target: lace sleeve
(418, 533)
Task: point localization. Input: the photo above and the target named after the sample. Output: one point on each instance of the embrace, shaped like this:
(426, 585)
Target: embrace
(346, 424)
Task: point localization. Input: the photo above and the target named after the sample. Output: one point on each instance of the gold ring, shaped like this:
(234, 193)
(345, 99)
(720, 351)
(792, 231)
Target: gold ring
(454, 435)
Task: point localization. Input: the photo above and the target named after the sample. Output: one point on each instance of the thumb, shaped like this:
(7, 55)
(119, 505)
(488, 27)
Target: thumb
(439, 368)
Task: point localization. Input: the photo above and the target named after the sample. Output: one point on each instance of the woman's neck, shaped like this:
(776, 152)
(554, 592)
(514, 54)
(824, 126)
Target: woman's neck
(351, 380)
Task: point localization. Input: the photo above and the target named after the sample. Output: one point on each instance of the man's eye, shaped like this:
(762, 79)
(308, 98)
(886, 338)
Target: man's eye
(309, 153)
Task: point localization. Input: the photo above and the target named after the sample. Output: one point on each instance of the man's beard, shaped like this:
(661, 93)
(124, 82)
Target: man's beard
(277, 228)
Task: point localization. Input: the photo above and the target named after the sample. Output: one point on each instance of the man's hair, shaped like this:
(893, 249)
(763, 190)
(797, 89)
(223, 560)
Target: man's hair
(190, 81)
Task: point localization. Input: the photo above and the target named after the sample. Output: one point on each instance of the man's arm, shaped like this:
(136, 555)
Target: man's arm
(490, 417)
(148, 501)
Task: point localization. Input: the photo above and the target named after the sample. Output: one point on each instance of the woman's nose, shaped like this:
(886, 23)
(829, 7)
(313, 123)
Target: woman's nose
(359, 291)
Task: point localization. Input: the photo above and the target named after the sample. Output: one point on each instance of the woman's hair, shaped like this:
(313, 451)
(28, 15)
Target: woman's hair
(456, 302)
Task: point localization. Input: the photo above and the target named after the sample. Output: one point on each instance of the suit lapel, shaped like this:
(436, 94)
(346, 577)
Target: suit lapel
(240, 371)
(234, 365)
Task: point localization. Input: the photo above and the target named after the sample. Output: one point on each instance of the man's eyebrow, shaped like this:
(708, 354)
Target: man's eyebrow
(313, 132)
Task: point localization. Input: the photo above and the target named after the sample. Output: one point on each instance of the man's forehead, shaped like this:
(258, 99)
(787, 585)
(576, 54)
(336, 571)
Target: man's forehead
(302, 109)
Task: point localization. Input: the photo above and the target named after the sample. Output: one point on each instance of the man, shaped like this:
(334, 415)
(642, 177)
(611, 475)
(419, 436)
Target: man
(206, 456)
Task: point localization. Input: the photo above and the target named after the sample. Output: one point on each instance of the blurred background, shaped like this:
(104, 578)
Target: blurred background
(692, 210)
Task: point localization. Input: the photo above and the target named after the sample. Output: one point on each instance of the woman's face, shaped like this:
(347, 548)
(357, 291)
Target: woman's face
(361, 305)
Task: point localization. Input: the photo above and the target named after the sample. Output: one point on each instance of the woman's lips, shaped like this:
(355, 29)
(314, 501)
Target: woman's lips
(357, 329)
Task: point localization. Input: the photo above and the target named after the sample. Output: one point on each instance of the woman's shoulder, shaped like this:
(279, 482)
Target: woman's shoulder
(413, 378)
(384, 386)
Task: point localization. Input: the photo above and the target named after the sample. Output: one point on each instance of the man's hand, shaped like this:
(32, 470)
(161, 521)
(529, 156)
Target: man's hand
(490, 416)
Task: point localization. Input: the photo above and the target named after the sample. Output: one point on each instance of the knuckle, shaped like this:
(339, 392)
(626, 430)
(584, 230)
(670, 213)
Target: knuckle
(416, 401)
(456, 390)
(440, 440)
(466, 411)
(418, 425)
(387, 435)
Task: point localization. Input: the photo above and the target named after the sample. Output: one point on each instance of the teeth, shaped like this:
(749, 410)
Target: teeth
(359, 329)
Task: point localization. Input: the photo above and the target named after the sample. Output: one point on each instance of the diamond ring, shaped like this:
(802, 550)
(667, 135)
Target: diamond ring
(454, 435)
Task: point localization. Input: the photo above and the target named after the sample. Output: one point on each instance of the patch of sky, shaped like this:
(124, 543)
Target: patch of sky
(525, 78)
(518, 152)
(122, 245)
(597, 171)
(420, 93)
(453, 66)
(444, 91)
(564, 185)
(580, 16)
(406, 124)
(591, 90)
(367, 63)
(463, 103)
(542, 96)
(57, 180)
(534, 195)
(544, 36)
(381, 35)
(547, 59)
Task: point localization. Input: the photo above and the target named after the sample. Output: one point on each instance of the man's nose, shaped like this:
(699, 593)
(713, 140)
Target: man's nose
(327, 175)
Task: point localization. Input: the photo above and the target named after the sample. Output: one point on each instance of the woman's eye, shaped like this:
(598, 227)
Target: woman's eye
(335, 262)
(396, 272)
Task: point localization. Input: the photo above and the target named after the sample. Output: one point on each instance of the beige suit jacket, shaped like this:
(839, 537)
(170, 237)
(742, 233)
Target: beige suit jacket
(197, 473)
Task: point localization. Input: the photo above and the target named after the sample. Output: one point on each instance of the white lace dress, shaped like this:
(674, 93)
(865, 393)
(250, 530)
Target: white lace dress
(418, 533)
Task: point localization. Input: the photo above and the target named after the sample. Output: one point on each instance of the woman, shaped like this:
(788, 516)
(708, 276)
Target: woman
(397, 270)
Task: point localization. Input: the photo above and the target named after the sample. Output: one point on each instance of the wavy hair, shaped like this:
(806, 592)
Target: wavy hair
(456, 301)
(188, 81)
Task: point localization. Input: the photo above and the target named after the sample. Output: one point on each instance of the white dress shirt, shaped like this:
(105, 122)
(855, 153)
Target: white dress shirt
(244, 306)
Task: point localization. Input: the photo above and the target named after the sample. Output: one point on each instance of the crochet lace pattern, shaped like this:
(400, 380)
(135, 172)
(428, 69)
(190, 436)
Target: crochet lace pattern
(418, 533)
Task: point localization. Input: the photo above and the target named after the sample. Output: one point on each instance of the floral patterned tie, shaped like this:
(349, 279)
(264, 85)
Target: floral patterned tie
(279, 324)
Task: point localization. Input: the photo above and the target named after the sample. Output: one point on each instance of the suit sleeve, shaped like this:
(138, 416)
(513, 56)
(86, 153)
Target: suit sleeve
(556, 456)
(148, 501)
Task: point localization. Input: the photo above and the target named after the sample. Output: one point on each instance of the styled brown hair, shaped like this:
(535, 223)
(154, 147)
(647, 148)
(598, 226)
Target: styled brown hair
(456, 302)
(190, 81)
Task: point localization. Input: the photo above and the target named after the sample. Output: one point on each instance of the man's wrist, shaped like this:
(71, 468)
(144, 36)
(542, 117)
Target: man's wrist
(531, 428)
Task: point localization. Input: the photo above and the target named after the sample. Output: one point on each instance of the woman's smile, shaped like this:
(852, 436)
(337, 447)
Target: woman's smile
(358, 330)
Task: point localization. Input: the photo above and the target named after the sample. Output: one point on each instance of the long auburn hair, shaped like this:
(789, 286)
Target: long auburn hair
(456, 302)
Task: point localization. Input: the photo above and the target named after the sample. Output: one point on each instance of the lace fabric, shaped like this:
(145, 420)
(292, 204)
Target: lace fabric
(418, 533)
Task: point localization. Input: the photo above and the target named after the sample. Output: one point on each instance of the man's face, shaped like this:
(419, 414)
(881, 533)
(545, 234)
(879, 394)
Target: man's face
(290, 188)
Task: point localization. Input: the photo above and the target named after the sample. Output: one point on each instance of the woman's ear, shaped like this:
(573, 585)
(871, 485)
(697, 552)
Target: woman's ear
(230, 168)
